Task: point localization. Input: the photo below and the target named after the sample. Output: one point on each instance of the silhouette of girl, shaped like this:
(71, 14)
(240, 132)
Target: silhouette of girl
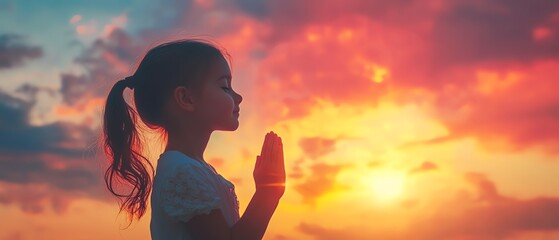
(183, 88)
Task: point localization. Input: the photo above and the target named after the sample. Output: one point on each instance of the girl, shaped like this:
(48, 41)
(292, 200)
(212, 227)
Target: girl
(183, 88)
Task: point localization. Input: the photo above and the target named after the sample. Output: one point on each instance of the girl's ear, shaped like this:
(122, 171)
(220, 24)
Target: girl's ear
(184, 98)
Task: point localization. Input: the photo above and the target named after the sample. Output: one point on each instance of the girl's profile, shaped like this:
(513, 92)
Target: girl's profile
(183, 89)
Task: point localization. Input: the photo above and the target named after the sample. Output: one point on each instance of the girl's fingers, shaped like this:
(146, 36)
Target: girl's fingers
(281, 160)
(278, 149)
(269, 147)
(271, 157)
(257, 165)
(275, 153)
(264, 144)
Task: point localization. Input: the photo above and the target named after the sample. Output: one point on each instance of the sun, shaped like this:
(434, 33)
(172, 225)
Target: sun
(386, 185)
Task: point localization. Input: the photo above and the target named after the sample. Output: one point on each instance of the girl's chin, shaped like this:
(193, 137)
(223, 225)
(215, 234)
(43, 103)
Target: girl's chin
(231, 127)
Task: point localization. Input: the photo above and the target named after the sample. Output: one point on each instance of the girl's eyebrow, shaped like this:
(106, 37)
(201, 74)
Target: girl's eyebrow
(227, 76)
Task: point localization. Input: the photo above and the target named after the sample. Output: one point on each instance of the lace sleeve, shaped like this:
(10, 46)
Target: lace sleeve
(187, 194)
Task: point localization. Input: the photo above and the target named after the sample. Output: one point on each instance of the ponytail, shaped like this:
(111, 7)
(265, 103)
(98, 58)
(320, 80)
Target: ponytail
(123, 147)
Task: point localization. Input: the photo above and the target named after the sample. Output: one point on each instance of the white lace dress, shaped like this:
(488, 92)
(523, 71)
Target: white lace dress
(183, 188)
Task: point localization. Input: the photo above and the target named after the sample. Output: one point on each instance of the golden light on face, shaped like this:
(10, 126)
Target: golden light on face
(386, 185)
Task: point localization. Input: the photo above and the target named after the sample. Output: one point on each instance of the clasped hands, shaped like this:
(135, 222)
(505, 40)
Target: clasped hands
(269, 170)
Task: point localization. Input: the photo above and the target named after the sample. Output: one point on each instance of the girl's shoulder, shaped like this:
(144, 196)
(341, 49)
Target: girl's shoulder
(173, 161)
(176, 157)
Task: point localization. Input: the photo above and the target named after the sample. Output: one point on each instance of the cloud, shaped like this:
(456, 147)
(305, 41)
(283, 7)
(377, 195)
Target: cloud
(315, 147)
(357, 54)
(105, 62)
(118, 52)
(439, 53)
(46, 163)
(486, 214)
(354, 52)
(333, 63)
(91, 28)
(55, 138)
(297, 170)
(14, 51)
(451, 32)
(54, 170)
(471, 32)
(39, 198)
(424, 167)
(320, 181)
(309, 13)
(323, 233)
(490, 79)
(75, 19)
(507, 107)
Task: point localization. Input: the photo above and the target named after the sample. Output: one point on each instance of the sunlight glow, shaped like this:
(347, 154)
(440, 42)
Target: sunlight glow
(386, 185)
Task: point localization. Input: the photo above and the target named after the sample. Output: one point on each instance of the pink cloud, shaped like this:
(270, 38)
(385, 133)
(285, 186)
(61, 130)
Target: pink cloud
(75, 19)
(118, 22)
(513, 116)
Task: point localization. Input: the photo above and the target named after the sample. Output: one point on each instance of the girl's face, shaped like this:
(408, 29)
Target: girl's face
(218, 104)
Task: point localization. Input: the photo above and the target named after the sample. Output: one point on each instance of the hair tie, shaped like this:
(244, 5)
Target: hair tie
(128, 81)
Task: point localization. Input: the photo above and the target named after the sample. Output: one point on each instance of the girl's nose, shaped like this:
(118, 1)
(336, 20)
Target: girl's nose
(238, 97)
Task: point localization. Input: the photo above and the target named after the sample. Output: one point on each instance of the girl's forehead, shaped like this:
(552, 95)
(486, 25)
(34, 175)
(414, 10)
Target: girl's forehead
(220, 67)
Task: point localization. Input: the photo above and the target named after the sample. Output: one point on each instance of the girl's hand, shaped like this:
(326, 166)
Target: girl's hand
(269, 172)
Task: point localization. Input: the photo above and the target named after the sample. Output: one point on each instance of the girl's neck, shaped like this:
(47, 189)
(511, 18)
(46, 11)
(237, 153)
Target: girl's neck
(190, 142)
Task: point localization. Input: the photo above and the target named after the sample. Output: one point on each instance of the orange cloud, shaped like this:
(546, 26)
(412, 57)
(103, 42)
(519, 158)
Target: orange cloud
(321, 180)
(315, 147)
(79, 109)
(425, 166)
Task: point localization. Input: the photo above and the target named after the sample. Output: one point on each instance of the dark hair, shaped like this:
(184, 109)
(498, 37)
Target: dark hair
(164, 67)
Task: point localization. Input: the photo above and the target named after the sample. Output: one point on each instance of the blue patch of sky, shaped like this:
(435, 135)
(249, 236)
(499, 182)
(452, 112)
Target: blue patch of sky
(46, 24)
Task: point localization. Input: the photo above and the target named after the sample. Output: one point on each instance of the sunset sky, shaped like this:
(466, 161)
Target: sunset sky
(403, 119)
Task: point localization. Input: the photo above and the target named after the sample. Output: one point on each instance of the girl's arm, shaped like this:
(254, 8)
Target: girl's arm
(269, 177)
(252, 224)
